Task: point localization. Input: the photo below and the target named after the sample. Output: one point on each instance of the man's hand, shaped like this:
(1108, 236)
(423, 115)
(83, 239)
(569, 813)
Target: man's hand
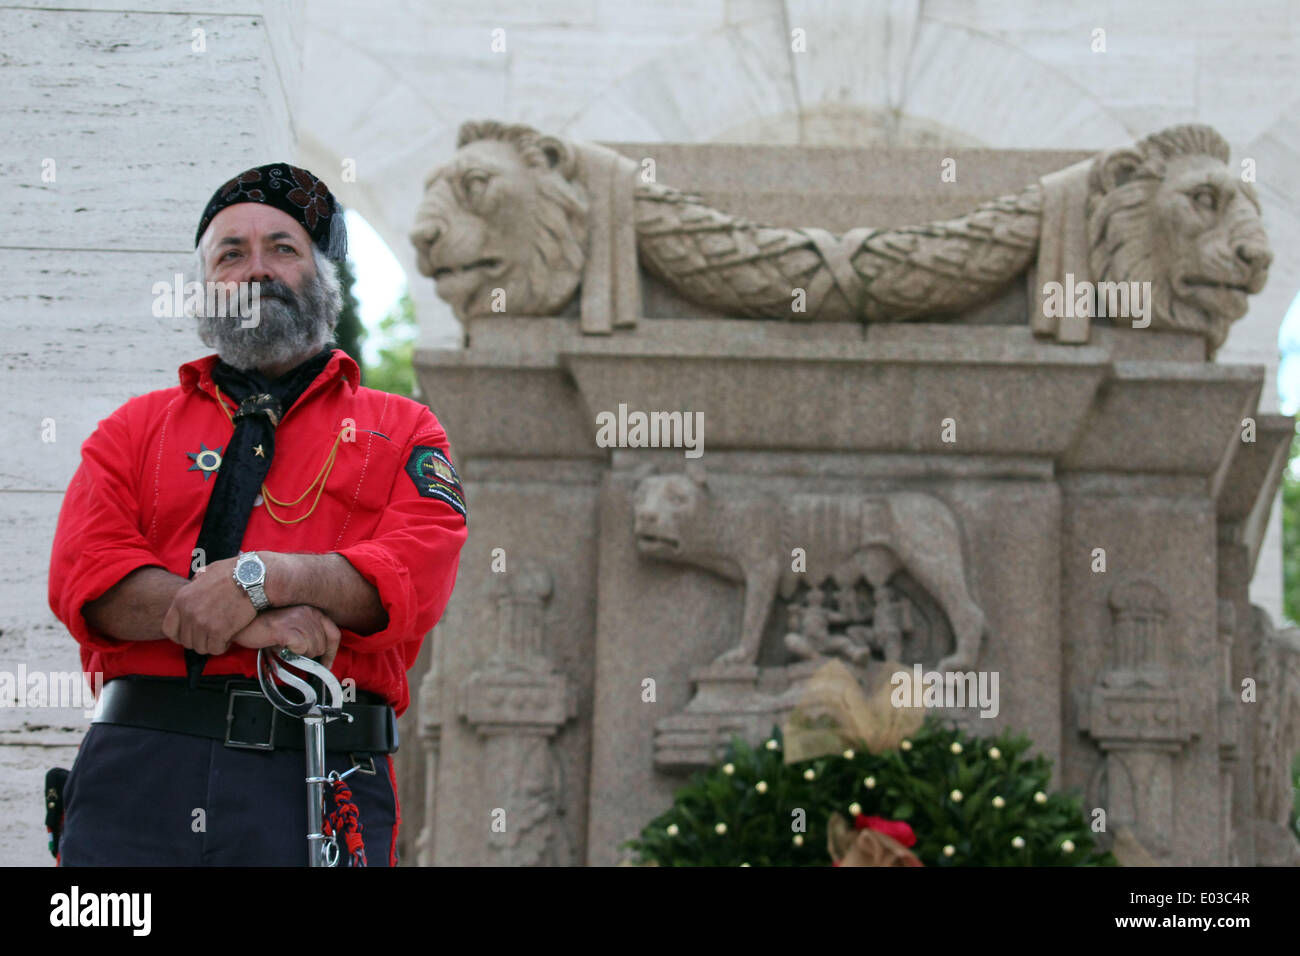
(209, 610)
(302, 628)
(326, 581)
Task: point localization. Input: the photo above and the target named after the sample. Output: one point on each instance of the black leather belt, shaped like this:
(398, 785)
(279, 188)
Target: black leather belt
(234, 711)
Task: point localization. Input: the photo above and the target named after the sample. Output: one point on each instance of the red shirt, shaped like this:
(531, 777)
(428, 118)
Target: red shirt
(139, 496)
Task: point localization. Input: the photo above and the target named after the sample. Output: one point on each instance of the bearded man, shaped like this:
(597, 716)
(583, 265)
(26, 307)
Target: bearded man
(267, 501)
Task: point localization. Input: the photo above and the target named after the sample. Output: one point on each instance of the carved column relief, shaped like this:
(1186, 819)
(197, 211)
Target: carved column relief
(1138, 721)
(1229, 724)
(517, 701)
(1277, 738)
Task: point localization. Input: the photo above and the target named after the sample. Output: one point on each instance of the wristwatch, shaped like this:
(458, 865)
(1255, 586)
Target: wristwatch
(250, 574)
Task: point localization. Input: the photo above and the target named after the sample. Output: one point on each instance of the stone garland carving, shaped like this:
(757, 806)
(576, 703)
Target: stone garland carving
(517, 701)
(845, 538)
(534, 217)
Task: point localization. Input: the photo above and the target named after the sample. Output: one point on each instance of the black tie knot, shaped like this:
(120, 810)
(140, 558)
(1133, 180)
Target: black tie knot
(262, 404)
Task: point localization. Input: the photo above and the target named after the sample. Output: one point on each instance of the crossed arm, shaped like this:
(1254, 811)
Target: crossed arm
(311, 595)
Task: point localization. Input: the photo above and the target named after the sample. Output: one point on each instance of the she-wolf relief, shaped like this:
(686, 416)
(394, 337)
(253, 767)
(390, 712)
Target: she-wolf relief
(853, 546)
(528, 218)
(877, 580)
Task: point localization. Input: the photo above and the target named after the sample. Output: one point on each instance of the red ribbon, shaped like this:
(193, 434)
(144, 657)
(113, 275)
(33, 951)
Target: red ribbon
(897, 829)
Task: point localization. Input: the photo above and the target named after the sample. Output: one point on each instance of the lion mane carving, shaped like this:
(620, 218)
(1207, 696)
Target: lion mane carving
(507, 217)
(1170, 212)
(504, 214)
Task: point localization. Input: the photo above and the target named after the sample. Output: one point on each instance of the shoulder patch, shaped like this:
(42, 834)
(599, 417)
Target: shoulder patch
(435, 476)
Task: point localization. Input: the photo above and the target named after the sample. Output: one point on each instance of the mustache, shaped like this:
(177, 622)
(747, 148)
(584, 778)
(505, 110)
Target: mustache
(275, 289)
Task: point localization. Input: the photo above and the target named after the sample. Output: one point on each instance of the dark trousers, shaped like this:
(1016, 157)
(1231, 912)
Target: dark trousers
(134, 795)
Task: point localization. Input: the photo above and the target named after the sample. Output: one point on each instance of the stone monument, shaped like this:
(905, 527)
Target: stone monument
(969, 421)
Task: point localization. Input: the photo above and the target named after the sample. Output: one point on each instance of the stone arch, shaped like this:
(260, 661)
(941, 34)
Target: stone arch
(434, 316)
(887, 64)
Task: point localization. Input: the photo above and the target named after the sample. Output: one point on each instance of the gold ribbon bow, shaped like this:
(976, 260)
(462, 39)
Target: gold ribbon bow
(835, 713)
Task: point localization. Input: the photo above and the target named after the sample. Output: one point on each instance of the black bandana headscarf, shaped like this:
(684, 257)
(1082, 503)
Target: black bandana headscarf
(262, 403)
(292, 190)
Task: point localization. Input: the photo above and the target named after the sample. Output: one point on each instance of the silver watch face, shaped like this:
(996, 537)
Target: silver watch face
(249, 571)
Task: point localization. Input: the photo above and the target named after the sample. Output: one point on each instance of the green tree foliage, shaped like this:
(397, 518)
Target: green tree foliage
(395, 371)
(1001, 814)
(350, 333)
(1291, 535)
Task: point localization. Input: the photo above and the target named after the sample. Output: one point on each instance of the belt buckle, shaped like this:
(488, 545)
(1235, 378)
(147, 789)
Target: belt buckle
(269, 744)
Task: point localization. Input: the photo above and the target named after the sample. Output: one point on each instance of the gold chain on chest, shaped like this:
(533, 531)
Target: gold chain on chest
(321, 476)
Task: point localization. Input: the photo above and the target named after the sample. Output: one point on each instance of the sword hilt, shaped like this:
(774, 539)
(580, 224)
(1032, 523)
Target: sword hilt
(322, 850)
(273, 666)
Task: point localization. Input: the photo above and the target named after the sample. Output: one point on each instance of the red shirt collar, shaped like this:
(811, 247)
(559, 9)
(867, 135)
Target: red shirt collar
(199, 372)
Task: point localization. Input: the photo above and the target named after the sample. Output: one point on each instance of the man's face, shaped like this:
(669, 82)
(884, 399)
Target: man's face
(250, 242)
(269, 250)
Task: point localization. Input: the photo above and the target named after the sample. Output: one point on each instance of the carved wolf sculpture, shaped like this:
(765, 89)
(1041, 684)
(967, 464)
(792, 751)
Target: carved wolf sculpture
(504, 226)
(678, 519)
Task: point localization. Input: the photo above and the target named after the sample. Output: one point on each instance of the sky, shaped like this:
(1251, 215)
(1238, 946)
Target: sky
(1288, 372)
(380, 279)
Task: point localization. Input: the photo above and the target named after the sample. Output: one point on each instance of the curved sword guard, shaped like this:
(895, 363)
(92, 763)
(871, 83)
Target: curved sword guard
(273, 665)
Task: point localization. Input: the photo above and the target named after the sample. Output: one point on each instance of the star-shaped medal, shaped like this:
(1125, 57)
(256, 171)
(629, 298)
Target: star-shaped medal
(257, 450)
(205, 460)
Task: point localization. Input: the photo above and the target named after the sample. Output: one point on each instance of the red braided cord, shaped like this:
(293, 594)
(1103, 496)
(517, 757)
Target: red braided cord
(345, 820)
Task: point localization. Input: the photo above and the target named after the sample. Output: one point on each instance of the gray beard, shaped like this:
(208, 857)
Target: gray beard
(288, 327)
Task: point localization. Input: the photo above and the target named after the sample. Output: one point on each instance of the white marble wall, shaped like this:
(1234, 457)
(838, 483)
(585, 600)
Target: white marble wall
(141, 128)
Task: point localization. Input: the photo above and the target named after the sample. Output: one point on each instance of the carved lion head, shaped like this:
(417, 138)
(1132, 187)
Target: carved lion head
(503, 226)
(1170, 212)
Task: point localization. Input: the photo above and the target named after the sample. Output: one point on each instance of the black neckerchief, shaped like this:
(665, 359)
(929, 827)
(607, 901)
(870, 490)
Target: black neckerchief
(262, 403)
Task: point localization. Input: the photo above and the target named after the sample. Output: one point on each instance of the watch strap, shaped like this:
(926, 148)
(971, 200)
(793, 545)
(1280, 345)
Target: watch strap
(258, 596)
